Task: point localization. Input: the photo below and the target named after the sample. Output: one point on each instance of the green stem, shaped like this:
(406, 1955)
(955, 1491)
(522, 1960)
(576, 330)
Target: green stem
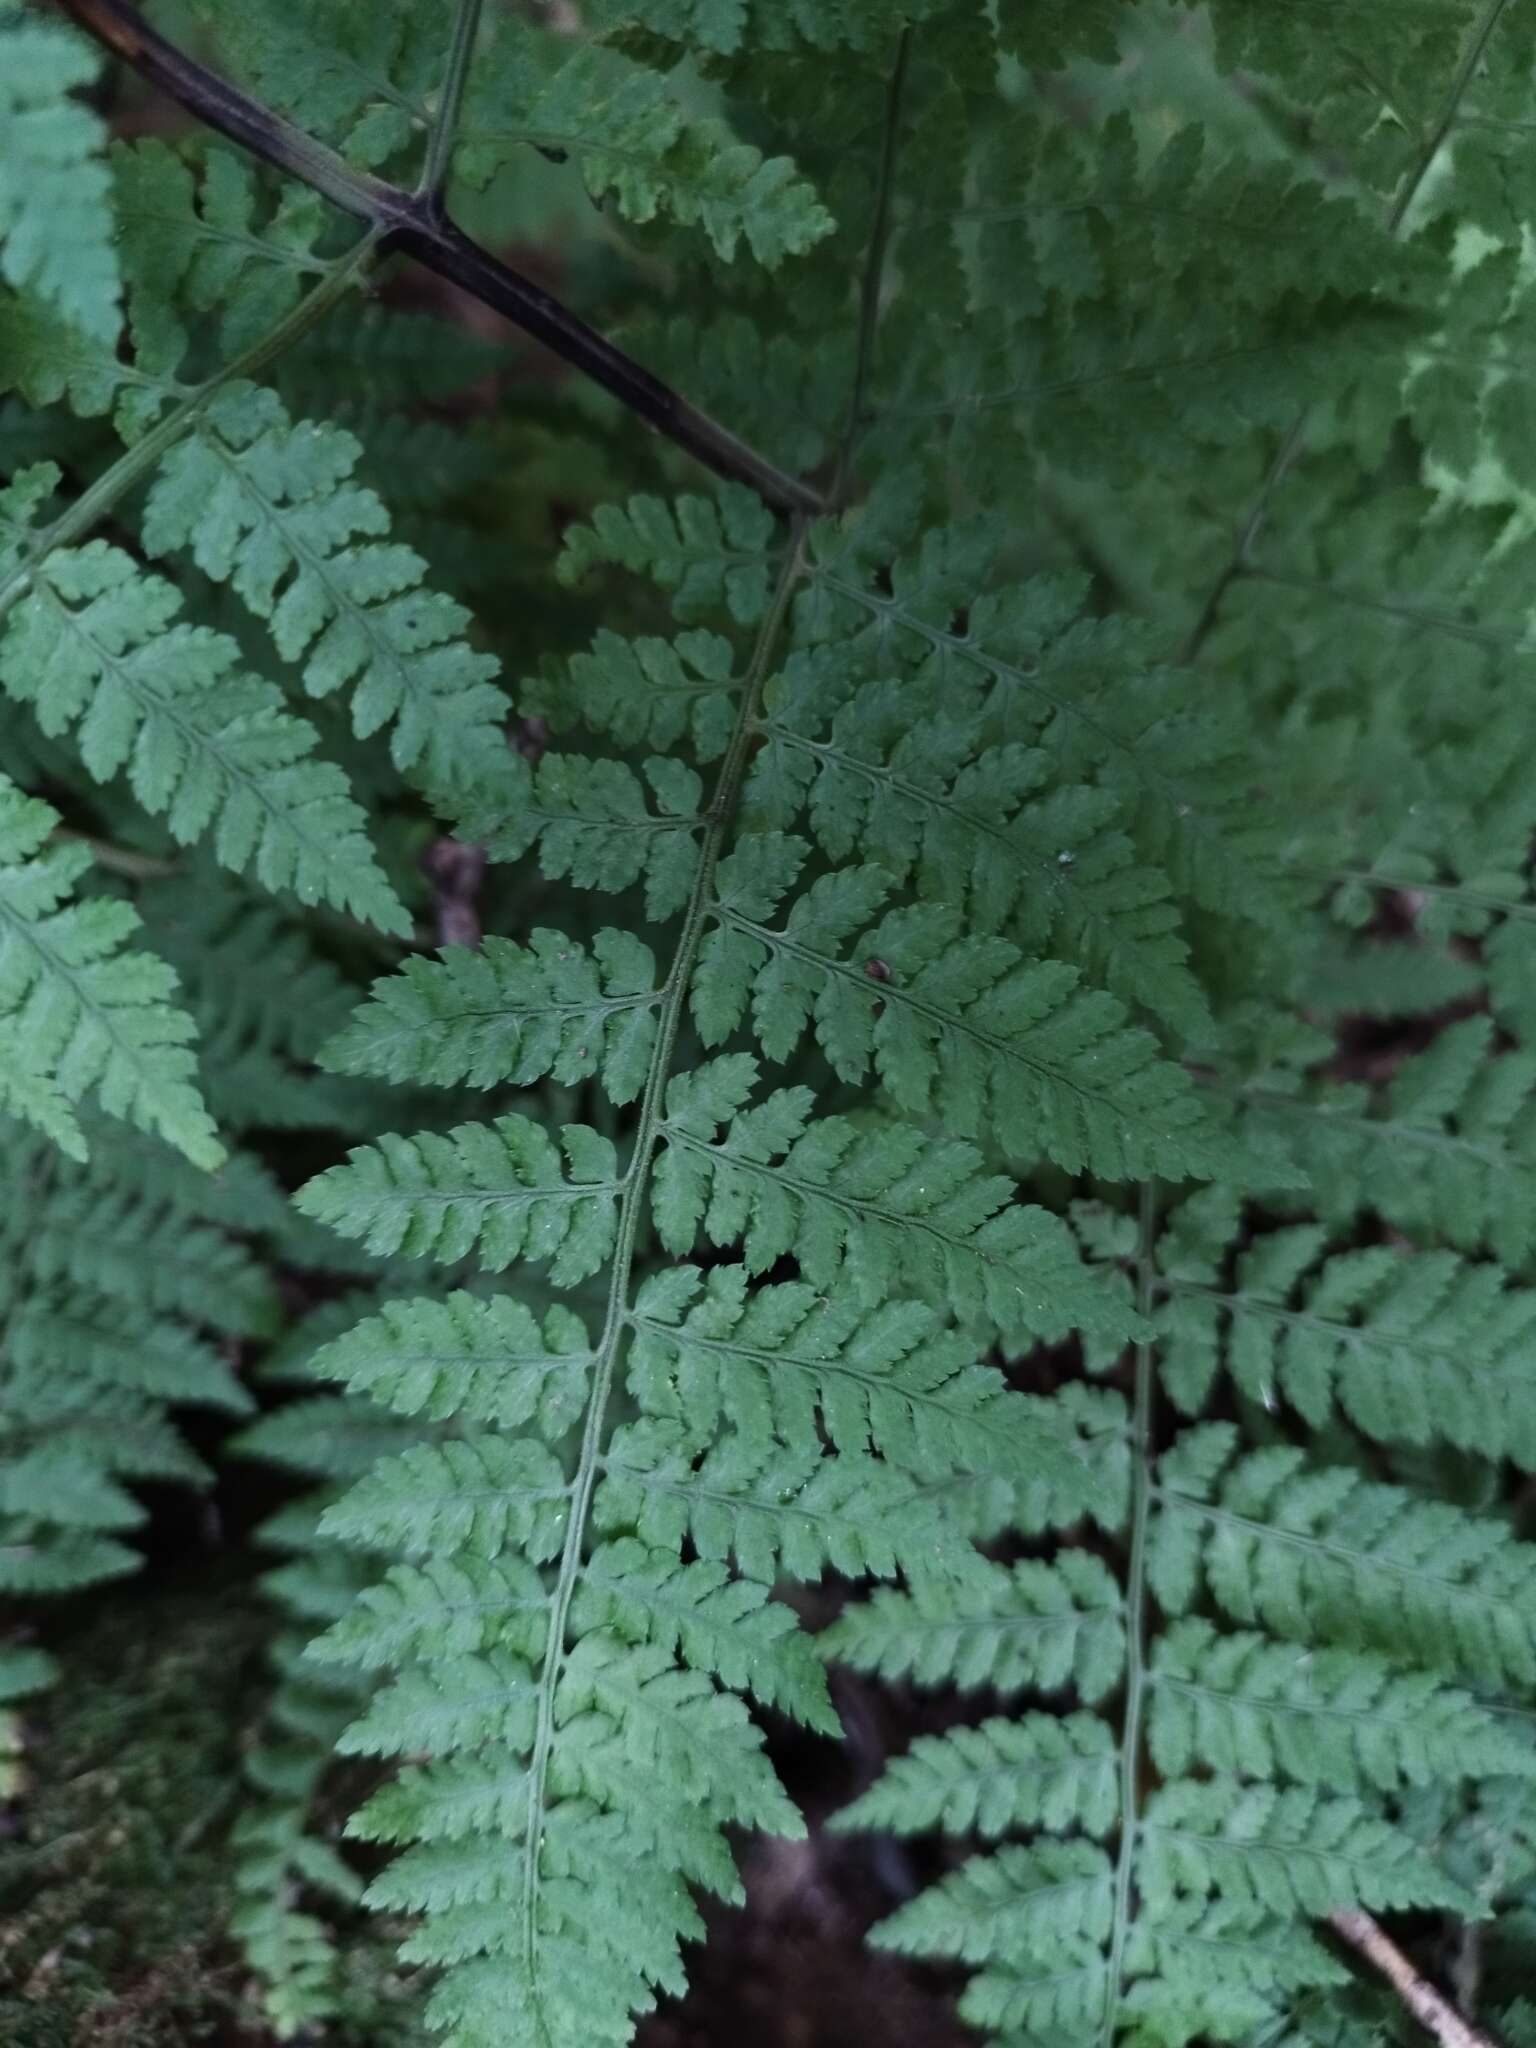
(1475, 52)
(97, 500)
(632, 1205)
(118, 860)
(874, 265)
(445, 122)
(1135, 1623)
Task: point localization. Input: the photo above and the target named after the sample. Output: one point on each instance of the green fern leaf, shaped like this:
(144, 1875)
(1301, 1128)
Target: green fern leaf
(655, 693)
(487, 1360)
(1317, 1554)
(203, 241)
(597, 823)
(512, 1013)
(97, 645)
(783, 1363)
(504, 1187)
(56, 234)
(875, 771)
(1447, 1150)
(958, 1024)
(271, 509)
(336, 74)
(1284, 1850)
(1378, 1336)
(476, 1495)
(728, 1626)
(790, 1512)
(96, 1345)
(445, 1608)
(1094, 692)
(1033, 1624)
(877, 1203)
(78, 1011)
(1249, 1707)
(1037, 1771)
(724, 25)
(708, 552)
(635, 142)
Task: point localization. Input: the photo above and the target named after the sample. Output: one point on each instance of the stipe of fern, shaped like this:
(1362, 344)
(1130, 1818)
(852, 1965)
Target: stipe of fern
(559, 1532)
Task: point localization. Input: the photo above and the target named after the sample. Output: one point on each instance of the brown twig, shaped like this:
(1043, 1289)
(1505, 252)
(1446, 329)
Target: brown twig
(415, 223)
(456, 869)
(1428, 2006)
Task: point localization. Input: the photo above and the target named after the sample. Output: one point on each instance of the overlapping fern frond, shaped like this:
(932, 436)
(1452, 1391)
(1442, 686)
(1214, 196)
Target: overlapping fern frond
(989, 1045)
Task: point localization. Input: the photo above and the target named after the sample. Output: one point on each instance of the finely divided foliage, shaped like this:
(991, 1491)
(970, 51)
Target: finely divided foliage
(981, 1055)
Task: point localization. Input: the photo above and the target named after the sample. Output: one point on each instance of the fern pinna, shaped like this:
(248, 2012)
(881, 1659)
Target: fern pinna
(986, 1058)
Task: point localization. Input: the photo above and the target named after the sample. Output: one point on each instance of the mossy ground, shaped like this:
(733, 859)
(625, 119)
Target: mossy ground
(114, 1855)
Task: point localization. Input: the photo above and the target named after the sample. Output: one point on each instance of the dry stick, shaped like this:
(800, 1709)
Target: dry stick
(415, 223)
(1426, 2004)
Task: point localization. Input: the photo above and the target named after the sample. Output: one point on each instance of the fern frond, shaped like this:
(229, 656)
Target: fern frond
(1374, 1334)
(707, 552)
(446, 1607)
(201, 239)
(1284, 1850)
(349, 80)
(78, 1010)
(487, 1360)
(720, 1624)
(723, 26)
(1318, 1554)
(1058, 1896)
(880, 1205)
(955, 1023)
(1036, 1771)
(515, 1013)
(95, 1344)
(635, 142)
(1446, 1150)
(265, 995)
(875, 771)
(802, 1061)
(1037, 1625)
(56, 233)
(97, 646)
(784, 1362)
(505, 1188)
(46, 361)
(778, 1512)
(597, 823)
(1093, 691)
(271, 509)
(480, 1494)
(1249, 1707)
(104, 1232)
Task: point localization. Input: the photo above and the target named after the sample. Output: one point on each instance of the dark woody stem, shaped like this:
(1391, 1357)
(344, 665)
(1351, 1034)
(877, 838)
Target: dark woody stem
(414, 223)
